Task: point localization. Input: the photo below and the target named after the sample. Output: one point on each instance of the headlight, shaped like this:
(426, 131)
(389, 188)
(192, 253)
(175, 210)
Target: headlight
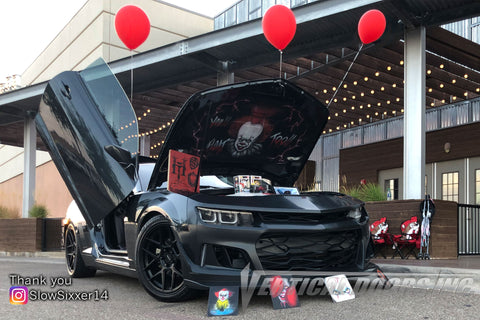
(208, 216)
(355, 214)
(225, 216)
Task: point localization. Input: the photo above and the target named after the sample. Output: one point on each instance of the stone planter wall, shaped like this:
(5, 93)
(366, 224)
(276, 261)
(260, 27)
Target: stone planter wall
(25, 235)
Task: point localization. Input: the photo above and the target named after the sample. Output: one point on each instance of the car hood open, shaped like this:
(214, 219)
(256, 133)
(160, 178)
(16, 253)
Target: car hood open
(266, 127)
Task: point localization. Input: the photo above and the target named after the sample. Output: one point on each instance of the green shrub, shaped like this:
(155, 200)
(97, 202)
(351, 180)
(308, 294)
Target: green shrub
(38, 211)
(366, 192)
(7, 213)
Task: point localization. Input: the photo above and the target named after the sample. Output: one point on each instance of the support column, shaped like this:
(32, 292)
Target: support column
(29, 164)
(145, 146)
(225, 77)
(414, 119)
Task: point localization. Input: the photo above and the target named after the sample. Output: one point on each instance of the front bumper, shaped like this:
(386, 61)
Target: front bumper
(216, 255)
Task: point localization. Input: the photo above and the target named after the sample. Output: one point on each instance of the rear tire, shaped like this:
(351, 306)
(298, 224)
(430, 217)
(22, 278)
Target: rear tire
(76, 268)
(158, 262)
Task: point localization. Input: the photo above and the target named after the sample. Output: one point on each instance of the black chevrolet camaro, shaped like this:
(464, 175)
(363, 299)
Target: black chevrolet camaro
(129, 222)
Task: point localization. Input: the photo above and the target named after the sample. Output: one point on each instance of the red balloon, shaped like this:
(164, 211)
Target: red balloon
(132, 26)
(371, 26)
(279, 26)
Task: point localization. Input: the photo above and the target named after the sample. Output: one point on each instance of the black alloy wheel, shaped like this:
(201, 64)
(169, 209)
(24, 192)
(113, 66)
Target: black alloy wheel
(158, 262)
(76, 268)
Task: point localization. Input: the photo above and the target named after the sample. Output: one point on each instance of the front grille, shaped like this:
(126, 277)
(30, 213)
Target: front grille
(301, 217)
(308, 251)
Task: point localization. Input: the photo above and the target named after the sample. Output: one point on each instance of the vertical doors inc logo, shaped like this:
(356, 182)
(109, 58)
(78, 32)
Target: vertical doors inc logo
(18, 295)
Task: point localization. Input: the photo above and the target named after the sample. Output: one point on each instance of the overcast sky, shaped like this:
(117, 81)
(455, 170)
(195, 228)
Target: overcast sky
(28, 26)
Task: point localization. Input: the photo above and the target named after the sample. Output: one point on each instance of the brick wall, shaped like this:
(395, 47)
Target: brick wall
(25, 235)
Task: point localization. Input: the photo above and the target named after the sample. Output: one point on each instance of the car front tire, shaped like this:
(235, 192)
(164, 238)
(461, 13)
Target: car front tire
(76, 268)
(158, 262)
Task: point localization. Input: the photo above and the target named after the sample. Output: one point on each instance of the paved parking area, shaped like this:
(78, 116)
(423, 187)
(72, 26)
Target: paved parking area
(128, 300)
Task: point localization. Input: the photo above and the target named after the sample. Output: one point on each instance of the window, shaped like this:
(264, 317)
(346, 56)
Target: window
(391, 187)
(450, 186)
(477, 186)
(231, 17)
(255, 9)
(242, 12)
(298, 3)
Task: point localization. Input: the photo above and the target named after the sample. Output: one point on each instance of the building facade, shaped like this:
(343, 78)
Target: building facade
(452, 170)
(88, 36)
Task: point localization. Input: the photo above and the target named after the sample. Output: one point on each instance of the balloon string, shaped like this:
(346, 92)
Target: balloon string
(131, 77)
(281, 53)
(345, 76)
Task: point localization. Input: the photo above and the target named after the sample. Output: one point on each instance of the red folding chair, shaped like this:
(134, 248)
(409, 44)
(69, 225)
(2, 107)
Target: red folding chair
(406, 243)
(378, 229)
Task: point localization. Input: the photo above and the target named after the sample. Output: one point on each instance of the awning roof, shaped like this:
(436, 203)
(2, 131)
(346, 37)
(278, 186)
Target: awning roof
(317, 59)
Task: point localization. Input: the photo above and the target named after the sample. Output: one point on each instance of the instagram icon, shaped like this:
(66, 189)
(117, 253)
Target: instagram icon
(18, 295)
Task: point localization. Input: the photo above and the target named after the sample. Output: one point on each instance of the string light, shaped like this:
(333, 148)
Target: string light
(429, 71)
(377, 74)
(441, 85)
(355, 82)
(441, 66)
(465, 76)
(454, 81)
(366, 78)
(394, 85)
(389, 68)
(401, 62)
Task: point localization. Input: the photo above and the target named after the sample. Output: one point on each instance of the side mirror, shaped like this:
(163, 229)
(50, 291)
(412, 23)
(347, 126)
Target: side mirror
(121, 155)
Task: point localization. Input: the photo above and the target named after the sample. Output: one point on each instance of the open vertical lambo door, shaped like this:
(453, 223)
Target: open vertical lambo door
(90, 129)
